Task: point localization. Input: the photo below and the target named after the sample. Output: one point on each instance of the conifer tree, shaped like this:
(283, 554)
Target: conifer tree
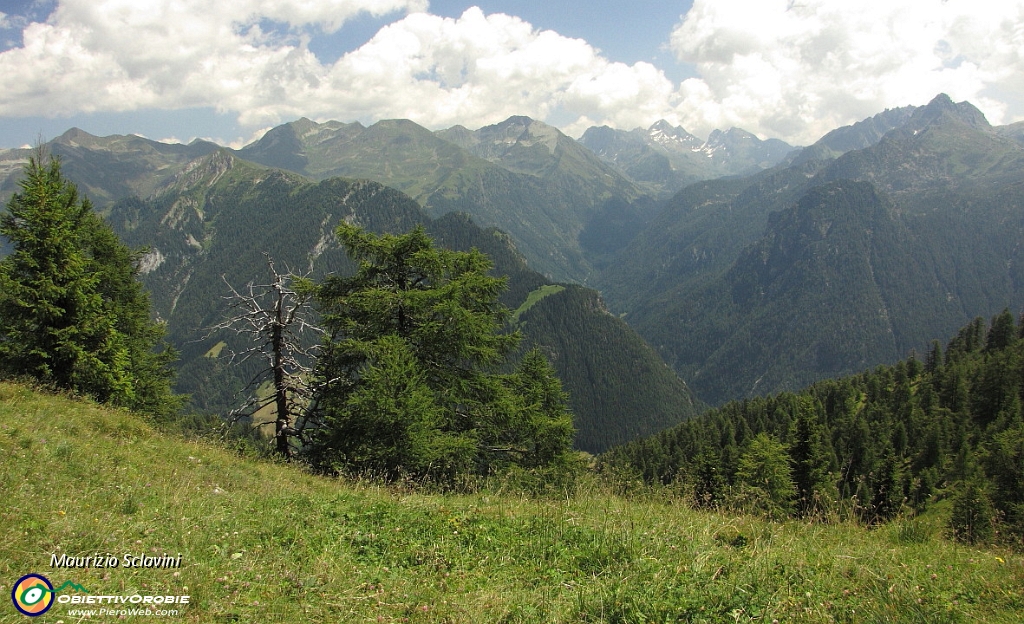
(71, 312)
(1002, 332)
(971, 520)
(708, 482)
(888, 497)
(151, 356)
(538, 428)
(764, 478)
(813, 461)
(409, 381)
(1004, 464)
(935, 359)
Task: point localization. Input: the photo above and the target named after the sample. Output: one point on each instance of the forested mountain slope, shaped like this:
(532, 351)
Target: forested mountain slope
(830, 265)
(221, 214)
(895, 438)
(522, 176)
(106, 168)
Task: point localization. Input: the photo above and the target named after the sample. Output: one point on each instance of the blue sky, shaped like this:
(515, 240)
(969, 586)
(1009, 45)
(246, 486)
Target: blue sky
(227, 71)
(624, 31)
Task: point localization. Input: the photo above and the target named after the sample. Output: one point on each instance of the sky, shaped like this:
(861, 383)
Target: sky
(176, 70)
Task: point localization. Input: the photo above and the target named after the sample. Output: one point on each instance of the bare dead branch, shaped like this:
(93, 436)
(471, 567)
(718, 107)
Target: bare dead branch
(273, 319)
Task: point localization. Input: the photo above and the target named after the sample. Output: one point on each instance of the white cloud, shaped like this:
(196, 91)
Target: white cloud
(119, 55)
(776, 68)
(10, 22)
(797, 70)
(116, 55)
(480, 69)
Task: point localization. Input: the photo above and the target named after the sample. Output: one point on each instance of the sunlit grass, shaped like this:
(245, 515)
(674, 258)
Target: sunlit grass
(535, 296)
(266, 542)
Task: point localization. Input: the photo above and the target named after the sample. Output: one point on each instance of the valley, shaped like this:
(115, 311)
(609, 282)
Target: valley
(771, 358)
(770, 267)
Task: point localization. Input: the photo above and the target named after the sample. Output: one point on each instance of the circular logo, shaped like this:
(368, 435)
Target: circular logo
(32, 594)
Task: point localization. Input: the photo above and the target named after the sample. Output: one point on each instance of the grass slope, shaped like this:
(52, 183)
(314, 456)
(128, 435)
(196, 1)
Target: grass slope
(269, 543)
(535, 296)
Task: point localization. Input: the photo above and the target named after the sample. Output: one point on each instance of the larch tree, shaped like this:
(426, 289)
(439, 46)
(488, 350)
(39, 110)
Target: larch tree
(764, 478)
(409, 371)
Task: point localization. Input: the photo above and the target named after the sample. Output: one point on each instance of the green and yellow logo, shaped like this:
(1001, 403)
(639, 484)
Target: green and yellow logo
(33, 594)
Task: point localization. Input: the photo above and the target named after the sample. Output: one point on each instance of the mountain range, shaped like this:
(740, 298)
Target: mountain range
(664, 158)
(748, 265)
(523, 176)
(216, 219)
(829, 264)
(567, 209)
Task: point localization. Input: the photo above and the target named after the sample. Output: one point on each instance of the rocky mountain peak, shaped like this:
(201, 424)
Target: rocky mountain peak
(663, 132)
(75, 136)
(942, 109)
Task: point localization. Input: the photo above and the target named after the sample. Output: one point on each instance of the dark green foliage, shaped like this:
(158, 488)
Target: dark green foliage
(626, 390)
(54, 322)
(389, 422)
(764, 479)
(151, 357)
(972, 517)
(540, 427)
(709, 483)
(888, 490)
(1003, 461)
(1002, 333)
(408, 372)
(813, 461)
(835, 264)
(872, 446)
(72, 312)
(619, 388)
(232, 211)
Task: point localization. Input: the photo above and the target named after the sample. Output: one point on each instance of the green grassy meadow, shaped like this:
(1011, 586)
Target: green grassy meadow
(266, 542)
(535, 296)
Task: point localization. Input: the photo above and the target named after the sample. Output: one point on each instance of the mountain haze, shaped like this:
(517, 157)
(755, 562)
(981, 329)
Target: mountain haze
(106, 168)
(522, 176)
(221, 213)
(829, 265)
(568, 209)
(665, 158)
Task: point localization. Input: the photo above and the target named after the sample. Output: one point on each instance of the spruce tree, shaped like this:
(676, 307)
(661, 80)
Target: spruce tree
(71, 312)
(1004, 463)
(971, 519)
(813, 461)
(55, 325)
(150, 355)
(1002, 332)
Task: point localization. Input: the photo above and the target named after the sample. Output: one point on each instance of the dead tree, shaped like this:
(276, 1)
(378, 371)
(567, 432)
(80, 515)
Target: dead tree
(272, 318)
